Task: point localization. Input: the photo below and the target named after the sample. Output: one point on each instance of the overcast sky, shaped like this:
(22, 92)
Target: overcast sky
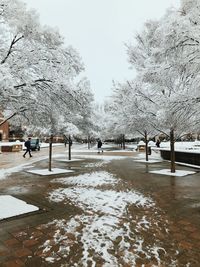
(98, 29)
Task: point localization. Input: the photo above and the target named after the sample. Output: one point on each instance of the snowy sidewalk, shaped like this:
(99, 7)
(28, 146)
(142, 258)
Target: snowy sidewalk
(111, 211)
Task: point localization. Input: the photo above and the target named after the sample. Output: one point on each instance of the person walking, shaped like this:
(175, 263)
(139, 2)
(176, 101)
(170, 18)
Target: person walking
(99, 146)
(158, 143)
(28, 147)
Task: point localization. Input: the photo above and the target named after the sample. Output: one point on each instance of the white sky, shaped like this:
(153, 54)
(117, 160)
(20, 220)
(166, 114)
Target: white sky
(98, 29)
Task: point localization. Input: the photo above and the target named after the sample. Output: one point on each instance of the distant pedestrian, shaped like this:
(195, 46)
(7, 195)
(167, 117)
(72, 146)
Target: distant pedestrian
(158, 143)
(99, 146)
(27, 144)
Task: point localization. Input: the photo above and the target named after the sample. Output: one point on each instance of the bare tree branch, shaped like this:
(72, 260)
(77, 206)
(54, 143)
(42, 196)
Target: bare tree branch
(10, 50)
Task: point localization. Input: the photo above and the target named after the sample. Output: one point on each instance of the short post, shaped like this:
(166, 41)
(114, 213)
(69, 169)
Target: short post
(70, 144)
(173, 170)
(88, 142)
(50, 150)
(146, 145)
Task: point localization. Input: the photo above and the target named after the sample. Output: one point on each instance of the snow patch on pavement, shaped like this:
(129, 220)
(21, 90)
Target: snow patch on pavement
(107, 202)
(11, 206)
(68, 161)
(102, 157)
(178, 173)
(4, 173)
(89, 179)
(149, 161)
(107, 232)
(155, 155)
(47, 172)
(96, 164)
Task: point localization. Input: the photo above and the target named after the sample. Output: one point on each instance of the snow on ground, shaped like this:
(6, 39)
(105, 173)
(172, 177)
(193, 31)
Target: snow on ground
(102, 157)
(46, 172)
(193, 147)
(179, 173)
(188, 165)
(104, 160)
(89, 179)
(84, 148)
(4, 173)
(96, 164)
(11, 206)
(131, 146)
(67, 160)
(105, 147)
(42, 145)
(154, 157)
(108, 202)
(149, 161)
(182, 146)
(107, 233)
(120, 151)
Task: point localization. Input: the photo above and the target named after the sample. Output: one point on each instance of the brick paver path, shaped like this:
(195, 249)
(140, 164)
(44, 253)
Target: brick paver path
(39, 239)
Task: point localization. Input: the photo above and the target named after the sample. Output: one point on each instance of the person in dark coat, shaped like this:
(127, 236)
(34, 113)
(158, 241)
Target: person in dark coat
(28, 147)
(158, 143)
(99, 146)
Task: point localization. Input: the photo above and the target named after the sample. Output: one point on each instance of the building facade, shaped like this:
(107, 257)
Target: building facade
(4, 130)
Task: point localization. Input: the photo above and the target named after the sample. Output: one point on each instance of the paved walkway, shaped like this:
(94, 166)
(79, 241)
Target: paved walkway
(109, 212)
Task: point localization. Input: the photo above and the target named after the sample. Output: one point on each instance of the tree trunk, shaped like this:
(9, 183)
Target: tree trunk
(50, 151)
(172, 151)
(146, 145)
(70, 145)
(123, 141)
(88, 142)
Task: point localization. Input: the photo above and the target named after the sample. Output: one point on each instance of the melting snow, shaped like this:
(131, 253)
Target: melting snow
(89, 179)
(102, 157)
(107, 201)
(67, 160)
(107, 233)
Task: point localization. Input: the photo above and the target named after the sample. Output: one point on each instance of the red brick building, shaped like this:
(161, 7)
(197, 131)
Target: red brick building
(4, 130)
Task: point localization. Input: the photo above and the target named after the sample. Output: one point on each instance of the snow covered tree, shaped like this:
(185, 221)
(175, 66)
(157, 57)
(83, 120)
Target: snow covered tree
(38, 73)
(34, 61)
(167, 95)
(165, 56)
(134, 114)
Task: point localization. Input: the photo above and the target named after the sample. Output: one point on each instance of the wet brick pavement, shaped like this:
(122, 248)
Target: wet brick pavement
(178, 199)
